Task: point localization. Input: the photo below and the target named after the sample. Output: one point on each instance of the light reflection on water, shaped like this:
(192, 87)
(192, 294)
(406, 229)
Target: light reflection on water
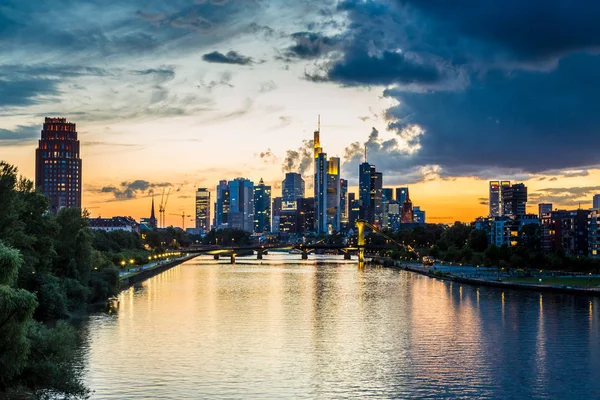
(289, 329)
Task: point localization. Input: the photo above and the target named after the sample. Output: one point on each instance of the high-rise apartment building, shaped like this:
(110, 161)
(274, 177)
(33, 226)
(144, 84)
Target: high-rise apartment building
(262, 208)
(58, 164)
(353, 210)
(241, 203)
(292, 187)
(203, 210)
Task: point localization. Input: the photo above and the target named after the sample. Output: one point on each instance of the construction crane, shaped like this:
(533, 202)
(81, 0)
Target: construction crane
(162, 208)
(183, 217)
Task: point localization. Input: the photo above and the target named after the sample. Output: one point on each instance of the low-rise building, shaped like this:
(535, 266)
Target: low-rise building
(114, 224)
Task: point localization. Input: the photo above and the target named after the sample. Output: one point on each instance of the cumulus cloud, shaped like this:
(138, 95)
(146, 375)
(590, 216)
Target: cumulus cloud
(300, 160)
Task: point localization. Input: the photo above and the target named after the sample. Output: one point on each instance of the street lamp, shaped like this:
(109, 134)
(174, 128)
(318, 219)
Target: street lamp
(123, 263)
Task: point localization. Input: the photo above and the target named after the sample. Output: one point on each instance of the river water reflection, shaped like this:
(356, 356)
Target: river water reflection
(290, 329)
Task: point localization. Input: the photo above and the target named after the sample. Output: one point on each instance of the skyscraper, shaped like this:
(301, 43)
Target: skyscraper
(333, 194)
(320, 185)
(494, 199)
(305, 214)
(364, 189)
(262, 208)
(370, 193)
(276, 213)
(241, 204)
(344, 204)
(387, 197)
(596, 202)
(203, 210)
(222, 205)
(407, 214)
(401, 194)
(292, 187)
(353, 210)
(505, 193)
(58, 165)
(513, 199)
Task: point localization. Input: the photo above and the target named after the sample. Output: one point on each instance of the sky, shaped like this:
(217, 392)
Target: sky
(180, 94)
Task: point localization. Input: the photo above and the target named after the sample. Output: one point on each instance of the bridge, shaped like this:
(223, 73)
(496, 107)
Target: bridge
(304, 249)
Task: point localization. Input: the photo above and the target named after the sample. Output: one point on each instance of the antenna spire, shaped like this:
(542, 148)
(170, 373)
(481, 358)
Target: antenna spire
(365, 152)
(319, 124)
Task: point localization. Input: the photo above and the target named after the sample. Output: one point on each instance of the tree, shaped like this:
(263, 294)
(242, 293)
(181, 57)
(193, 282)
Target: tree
(478, 240)
(16, 312)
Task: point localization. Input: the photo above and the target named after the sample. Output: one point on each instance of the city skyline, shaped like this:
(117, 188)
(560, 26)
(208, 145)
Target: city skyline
(153, 87)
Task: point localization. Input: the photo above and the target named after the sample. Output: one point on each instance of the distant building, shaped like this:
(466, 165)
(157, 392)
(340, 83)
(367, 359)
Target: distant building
(594, 233)
(387, 196)
(276, 208)
(292, 187)
(333, 195)
(127, 224)
(596, 202)
(401, 194)
(344, 209)
(222, 205)
(494, 199)
(566, 230)
(241, 204)
(370, 193)
(149, 223)
(353, 210)
(544, 208)
(262, 208)
(58, 164)
(505, 230)
(407, 215)
(514, 200)
(203, 210)
(419, 215)
(305, 215)
(394, 212)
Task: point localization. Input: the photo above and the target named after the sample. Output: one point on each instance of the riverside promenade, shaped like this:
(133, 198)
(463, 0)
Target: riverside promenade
(487, 276)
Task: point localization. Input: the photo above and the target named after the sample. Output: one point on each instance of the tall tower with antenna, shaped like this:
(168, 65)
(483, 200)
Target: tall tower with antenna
(320, 182)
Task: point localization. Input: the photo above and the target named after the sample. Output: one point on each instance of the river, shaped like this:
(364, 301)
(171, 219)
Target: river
(283, 328)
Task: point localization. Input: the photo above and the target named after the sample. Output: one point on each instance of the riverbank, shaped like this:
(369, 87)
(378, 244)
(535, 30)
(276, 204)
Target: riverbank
(144, 274)
(448, 276)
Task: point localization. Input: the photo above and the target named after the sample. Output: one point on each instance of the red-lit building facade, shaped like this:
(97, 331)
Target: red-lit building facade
(58, 164)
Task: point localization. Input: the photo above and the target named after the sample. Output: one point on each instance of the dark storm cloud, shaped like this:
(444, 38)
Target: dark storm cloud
(496, 87)
(24, 92)
(360, 68)
(310, 45)
(21, 135)
(501, 119)
(232, 57)
(130, 190)
(526, 30)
